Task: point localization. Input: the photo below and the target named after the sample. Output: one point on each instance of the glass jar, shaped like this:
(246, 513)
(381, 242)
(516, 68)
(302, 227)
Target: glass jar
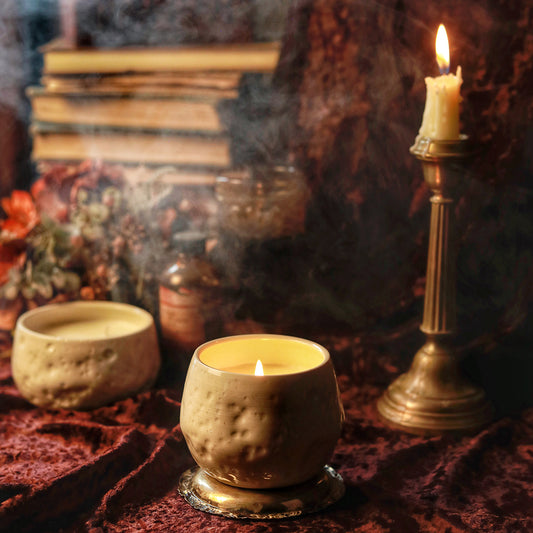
(188, 298)
(262, 202)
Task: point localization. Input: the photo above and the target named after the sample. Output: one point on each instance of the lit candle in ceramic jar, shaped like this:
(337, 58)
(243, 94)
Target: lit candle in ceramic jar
(441, 114)
(253, 431)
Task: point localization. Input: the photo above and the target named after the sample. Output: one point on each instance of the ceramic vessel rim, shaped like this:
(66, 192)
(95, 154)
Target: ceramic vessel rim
(218, 371)
(119, 306)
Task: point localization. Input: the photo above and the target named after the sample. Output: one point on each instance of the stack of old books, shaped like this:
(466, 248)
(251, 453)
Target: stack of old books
(147, 106)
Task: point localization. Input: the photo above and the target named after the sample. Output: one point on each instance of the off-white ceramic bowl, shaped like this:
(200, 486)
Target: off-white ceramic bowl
(81, 355)
(261, 432)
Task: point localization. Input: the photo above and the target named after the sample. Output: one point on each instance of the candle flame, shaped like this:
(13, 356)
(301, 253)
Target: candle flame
(443, 50)
(259, 368)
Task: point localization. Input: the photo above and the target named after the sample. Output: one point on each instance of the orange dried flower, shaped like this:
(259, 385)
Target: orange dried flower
(22, 215)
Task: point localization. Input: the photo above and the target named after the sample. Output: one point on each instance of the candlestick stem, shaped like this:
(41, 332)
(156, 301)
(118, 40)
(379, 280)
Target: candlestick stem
(434, 396)
(439, 303)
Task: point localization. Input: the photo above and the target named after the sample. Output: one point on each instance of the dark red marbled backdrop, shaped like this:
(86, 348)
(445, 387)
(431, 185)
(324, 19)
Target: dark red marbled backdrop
(352, 76)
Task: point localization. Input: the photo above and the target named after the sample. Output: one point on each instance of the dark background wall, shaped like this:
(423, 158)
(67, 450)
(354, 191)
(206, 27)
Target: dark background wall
(355, 72)
(24, 27)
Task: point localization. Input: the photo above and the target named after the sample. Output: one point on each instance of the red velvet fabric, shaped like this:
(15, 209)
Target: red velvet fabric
(117, 468)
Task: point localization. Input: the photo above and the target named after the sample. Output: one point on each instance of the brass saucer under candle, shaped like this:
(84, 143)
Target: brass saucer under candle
(434, 396)
(207, 494)
(261, 441)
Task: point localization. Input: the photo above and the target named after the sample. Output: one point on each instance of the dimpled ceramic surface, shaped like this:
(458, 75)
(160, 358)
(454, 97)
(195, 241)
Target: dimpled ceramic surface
(81, 355)
(261, 431)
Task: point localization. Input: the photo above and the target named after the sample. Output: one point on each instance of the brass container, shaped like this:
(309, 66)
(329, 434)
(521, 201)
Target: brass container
(434, 396)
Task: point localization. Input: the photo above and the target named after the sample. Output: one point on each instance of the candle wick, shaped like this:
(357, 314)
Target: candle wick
(444, 70)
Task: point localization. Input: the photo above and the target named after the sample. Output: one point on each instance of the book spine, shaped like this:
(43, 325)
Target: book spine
(132, 148)
(179, 114)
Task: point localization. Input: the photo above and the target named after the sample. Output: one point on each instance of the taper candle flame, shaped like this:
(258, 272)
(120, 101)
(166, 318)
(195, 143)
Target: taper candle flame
(443, 50)
(259, 368)
(441, 114)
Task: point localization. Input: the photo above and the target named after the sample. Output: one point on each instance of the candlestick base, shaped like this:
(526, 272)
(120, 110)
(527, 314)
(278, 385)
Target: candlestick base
(205, 493)
(433, 397)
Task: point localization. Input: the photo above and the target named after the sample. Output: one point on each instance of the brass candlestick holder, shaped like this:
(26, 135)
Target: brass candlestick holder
(434, 396)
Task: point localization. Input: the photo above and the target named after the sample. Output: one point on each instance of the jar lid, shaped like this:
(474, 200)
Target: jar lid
(189, 241)
(260, 180)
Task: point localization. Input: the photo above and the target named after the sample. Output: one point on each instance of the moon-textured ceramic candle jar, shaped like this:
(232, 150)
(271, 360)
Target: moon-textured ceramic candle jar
(80, 355)
(259, 432)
